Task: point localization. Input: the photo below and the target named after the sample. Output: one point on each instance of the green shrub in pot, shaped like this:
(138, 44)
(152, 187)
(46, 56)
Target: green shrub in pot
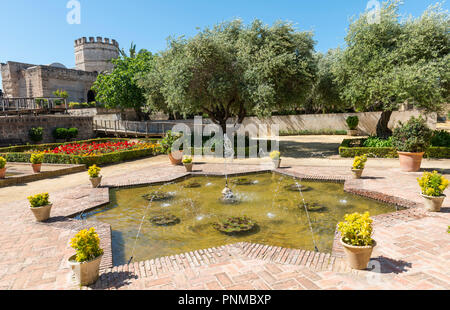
(352, 122)
(411, 140)
(414, 136)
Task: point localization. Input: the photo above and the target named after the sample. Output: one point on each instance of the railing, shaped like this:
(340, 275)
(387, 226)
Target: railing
(32, 104)
(131, 128)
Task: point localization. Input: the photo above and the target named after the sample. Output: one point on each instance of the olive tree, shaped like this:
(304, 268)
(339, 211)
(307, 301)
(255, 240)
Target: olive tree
(324, 96)
(392, 62)
(232, 70)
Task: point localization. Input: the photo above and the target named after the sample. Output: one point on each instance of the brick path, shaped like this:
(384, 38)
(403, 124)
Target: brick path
(412, 253)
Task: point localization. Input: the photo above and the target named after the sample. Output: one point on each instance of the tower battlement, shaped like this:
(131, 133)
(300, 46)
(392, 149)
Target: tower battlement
(95, 54)
(97, 40)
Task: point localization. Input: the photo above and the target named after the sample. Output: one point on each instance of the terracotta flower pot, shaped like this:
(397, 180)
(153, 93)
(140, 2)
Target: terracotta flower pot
(86, 273)
(352, 133)
(2, 173)
(358, 257)
(42, 213)
(410, 162)
(433, 204)
(176, 158)
(36, 167)
(276, 163)
(96, 181)
(357, 173)
(188, 167)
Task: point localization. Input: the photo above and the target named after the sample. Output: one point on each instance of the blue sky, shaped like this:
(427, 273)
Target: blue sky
(37, 31)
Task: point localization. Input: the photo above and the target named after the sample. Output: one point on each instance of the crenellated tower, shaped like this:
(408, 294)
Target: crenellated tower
(95, 55)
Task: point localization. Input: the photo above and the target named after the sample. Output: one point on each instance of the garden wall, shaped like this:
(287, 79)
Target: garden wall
(316, 122)
(17, 127)
(105, 114)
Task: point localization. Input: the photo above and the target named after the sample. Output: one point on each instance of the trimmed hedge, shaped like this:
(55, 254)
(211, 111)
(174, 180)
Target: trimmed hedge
(438, 152)
(109, 158)
(17, 154)
(353, 147)
(372, 152)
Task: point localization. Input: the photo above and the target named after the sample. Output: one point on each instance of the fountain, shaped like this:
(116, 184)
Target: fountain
(282, 216)
(228, 197)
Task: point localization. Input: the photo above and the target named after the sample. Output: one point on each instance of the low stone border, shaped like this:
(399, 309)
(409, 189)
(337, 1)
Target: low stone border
(316, 178)
(103, 230)
(24, 178)
(118, 276)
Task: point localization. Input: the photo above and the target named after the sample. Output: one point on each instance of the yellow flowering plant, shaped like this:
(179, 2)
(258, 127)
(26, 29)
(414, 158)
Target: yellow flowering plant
(87, 245)
(2, 162)
(94, 171)
(357, 229)
(37, 158)
(359, 162)
(187, 160)
(432, 184)
(39, 200)
(275, 155)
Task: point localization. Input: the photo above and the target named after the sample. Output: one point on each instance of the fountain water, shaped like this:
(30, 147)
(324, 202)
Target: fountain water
(227, 194)
(307, 216)
(142, 222)
(275, 210)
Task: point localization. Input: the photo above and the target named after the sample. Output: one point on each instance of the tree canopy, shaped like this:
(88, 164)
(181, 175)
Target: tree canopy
(119, 89)
(324, 96)
(392, 62)
(232, 70)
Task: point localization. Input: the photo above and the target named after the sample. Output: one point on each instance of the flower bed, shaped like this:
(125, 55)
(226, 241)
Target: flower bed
(355, 147)
(95, 148)
(89, 152)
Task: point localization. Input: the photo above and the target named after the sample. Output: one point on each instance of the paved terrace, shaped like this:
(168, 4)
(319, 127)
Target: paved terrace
(412, 253)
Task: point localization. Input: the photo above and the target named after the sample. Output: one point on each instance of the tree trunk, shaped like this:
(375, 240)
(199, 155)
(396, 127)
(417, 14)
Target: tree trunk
(383, 130)
(141, 115)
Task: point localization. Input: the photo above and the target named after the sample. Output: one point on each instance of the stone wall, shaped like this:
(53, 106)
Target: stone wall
(315, 122)
(106, 114)
(25, 80)
(13, 79)
(15, 127)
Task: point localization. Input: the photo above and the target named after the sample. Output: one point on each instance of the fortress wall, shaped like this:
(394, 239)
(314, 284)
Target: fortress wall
(17, 127)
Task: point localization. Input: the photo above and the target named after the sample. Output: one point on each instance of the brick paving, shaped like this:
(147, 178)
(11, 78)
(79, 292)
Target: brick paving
(412, 253)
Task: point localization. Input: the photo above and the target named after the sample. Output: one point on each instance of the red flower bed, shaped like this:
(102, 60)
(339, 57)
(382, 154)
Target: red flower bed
(95, 148)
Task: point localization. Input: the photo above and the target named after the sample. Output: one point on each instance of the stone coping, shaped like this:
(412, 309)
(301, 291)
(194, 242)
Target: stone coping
(119, 275)
(21, 176)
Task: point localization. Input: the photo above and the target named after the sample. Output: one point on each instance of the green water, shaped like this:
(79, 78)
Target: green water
(278, 212)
